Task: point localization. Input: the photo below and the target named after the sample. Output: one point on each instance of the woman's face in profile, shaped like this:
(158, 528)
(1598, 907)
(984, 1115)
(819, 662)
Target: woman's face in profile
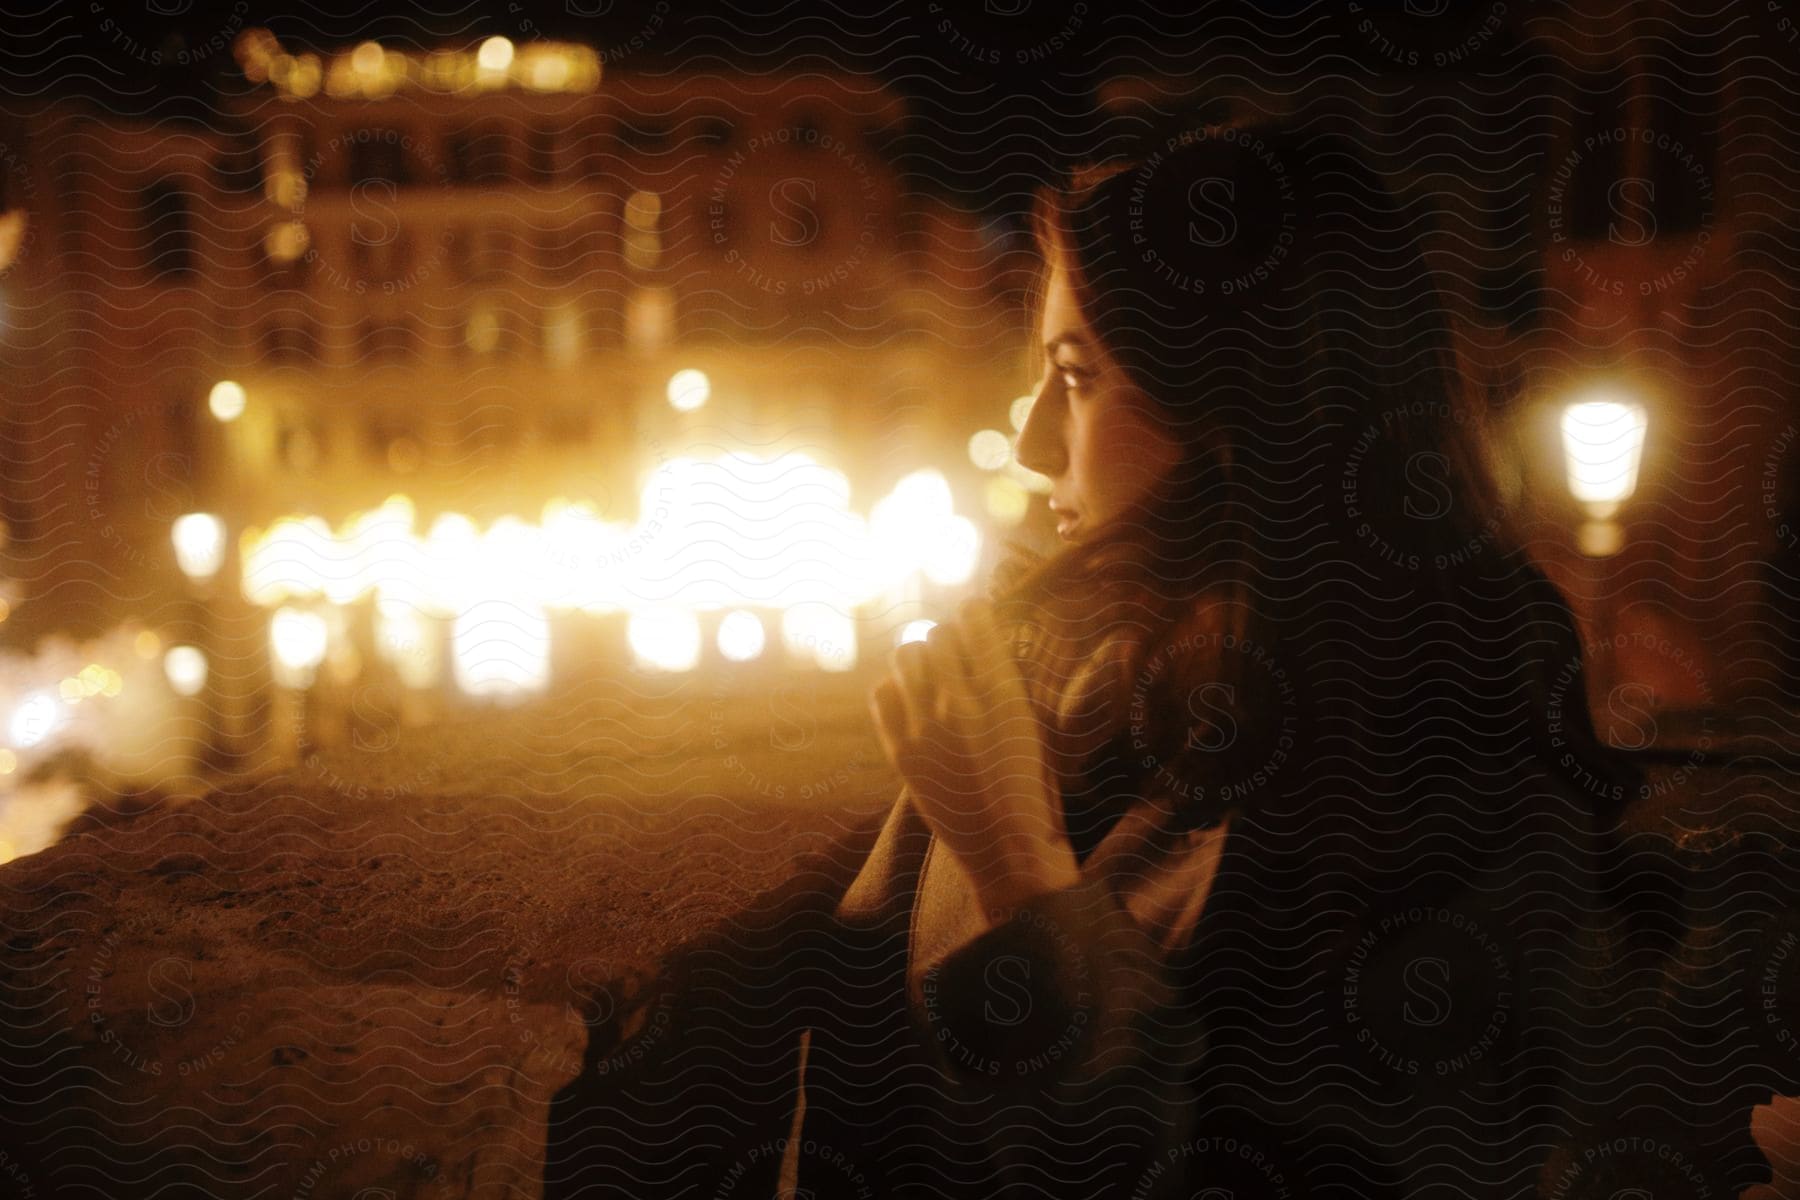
(1091, 431)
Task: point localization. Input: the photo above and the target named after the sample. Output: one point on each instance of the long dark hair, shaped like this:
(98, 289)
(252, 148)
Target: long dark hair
(1268, 293)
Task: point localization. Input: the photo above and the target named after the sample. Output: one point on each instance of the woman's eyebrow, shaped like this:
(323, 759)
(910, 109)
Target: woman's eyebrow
(1073, 340)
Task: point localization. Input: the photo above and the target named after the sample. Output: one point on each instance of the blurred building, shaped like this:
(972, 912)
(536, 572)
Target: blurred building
(471, 276)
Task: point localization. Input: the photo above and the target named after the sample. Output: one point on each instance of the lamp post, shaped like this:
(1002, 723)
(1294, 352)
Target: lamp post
(199, 542)
(298, 640)
(1603, 446)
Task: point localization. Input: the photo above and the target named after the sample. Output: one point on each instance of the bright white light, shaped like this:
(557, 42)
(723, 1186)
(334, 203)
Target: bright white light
(496, 54)
(689, 389)
(226, 400)
(1603, 443)
(512, 559)
(664, 639)
(408, 639)
(453, 564)
(199, 545)
(925, 493)
(185, 668)
(376, 551)
(288, 561)
(502, 648)
(953, 554)
(741, 636)
(989, 449)
(908, 521)
(736, 532)
(298, 640)
(915, 631)
(36, 720)
(744, 531)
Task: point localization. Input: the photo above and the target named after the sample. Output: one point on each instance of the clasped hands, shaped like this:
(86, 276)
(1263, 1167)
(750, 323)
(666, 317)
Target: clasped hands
(955, 721)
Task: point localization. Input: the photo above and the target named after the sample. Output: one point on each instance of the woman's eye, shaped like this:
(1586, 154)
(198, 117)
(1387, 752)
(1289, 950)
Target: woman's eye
(1074, 378)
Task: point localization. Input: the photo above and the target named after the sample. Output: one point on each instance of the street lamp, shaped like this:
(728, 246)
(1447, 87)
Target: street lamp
(199, 540)
(1603, 445)
(199, 545)
(226, 400)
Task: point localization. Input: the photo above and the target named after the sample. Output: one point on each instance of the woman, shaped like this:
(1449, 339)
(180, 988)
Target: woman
(1274, 796)
(1238, 848)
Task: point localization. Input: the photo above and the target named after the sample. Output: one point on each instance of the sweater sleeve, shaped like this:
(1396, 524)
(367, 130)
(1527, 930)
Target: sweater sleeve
(1076, 983)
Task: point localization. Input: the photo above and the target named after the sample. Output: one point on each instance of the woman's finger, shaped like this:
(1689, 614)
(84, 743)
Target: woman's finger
(989, 655)
(913, 673)
(954, 640)
(889, 709)
(959, 698)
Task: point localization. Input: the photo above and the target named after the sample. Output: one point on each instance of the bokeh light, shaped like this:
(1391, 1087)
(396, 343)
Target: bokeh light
(741, 636)
(989, 449)
(689, 389)
(185, 669)
(226, 400)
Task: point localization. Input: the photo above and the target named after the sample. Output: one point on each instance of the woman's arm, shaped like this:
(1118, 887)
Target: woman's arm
(957, 724)
(1074, 981)
(1064, 964)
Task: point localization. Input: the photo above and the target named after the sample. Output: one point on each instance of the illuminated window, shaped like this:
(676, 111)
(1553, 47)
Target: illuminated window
(643, 230)
(562, 330)
(481, 332)
(281, 265)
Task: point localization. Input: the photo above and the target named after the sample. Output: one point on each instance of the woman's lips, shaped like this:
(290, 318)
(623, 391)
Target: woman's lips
(1066, 520)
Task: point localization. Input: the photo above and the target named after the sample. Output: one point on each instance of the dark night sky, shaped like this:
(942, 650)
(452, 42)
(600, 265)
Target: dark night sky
(1002, 91)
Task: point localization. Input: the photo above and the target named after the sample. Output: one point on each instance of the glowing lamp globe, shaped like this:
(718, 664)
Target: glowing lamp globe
(1603, 444)
(199, 545)
(226, 400)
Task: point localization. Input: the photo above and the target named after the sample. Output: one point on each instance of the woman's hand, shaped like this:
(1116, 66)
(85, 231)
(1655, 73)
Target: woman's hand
(956, 723)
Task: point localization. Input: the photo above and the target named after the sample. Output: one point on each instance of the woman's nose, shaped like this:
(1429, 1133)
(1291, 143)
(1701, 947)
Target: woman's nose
(1040, 445)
